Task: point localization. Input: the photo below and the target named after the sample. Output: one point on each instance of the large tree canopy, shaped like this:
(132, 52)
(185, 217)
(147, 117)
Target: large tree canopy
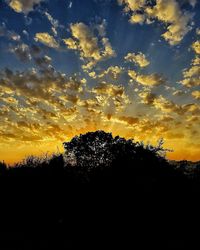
(100, 149)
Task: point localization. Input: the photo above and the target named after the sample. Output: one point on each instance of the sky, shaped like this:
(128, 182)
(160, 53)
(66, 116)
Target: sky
(130, 67)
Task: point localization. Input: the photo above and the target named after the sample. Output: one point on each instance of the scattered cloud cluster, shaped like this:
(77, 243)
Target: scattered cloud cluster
(84, 40)
(42, 106)
(168, 106)
(36, 107)
(54, 23)
(169, 13)
(191, 76)
(22, 52)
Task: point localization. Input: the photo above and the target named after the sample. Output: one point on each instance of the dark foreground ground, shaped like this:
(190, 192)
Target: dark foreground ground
(109, 193)
(45, 209)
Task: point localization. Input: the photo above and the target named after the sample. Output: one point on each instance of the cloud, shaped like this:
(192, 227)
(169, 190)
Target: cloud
(191, 82)
(178, 93)
(194, 71)
(167, 106)
(196, 46)
(109, 89)
(107, 51)
(50, 99)
(147, 97)
(86, 42)
(48, 86)
(92, 48)
(150, 80)
(133, 5)
(196, 61)
(24, 6)
(129, 119)
(167, 12)
(113, 72)
(170, 13)
(111, 96)
(71, 43)
(191, 76)
(22, 52)
(43, 62)
(132, 74)
(27, 53)
(137, 18)
(172, 135)
(46, 39)
(198, 31)
(196, 94)
(54, 23)
(139, 59)
(193, 3)
(9, 34)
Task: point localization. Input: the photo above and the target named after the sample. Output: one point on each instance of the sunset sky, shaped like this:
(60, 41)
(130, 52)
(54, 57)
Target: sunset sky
(130, 67)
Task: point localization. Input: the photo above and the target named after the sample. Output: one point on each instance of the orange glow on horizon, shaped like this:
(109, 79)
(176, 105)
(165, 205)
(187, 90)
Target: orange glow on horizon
(13, 155)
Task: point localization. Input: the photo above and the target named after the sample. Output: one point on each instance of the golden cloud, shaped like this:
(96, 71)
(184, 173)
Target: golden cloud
(191, 82)
(129, 119)
(139, 59)
(133, 5)
(71, 44)
(24, 6)
(150, 80)
(196, 61)
(46, 39)
(192, 75)
(178, 92)
(147, 97)
(167, 12)
(168, 106)
(194, 71)
(84, 40)
(87, 42)
(198, 31)
(196, 47)
(113, 72)
(196, 94)
(137, 18)
(132, 74)
(111, 96)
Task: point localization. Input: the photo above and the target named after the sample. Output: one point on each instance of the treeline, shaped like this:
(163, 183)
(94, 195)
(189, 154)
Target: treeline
(99, 158)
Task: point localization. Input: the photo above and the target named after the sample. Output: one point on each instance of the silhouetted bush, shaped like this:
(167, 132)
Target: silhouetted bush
(3, 168)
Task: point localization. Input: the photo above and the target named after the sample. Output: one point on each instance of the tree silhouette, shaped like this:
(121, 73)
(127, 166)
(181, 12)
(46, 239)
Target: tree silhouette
(95, 151)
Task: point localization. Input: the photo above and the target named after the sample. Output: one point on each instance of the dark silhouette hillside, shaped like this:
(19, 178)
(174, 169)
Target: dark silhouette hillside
(103, 192)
